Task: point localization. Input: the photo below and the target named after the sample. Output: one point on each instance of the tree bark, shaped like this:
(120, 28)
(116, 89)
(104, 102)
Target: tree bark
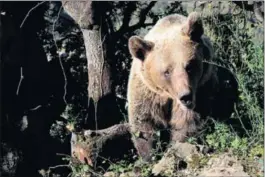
(90, 17)
(99, 69)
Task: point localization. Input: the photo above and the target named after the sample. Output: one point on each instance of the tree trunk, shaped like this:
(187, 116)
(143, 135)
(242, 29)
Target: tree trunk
(103, 109)
(99, 70)
(91, 17)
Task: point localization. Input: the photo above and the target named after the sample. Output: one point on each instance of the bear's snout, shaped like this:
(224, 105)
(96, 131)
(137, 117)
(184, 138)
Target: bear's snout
(187, 100)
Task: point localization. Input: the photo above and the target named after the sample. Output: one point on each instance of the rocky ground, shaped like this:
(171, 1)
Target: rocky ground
(188, 160)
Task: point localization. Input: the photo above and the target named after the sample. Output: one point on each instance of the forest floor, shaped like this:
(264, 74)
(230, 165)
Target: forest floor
(186, 160)
(181, 160)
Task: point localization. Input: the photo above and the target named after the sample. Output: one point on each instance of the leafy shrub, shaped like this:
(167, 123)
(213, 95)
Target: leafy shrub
(238, 49)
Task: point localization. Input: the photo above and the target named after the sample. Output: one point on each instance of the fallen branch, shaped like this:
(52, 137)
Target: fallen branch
(87, 144)
(109, 133)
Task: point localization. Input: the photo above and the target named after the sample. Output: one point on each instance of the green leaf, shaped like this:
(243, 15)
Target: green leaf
(85, 168)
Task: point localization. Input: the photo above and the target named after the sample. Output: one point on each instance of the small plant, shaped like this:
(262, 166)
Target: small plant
(223, 139)
(121, 167)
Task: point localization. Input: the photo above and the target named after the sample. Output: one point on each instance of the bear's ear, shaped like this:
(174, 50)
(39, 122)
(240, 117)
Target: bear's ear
(193, 27)
(139, 47)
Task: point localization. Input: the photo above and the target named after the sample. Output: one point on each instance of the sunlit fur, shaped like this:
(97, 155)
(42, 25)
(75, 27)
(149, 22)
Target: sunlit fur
(153, 100)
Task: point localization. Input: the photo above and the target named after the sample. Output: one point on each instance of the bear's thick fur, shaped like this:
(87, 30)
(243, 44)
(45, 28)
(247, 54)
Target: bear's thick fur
(166, 73)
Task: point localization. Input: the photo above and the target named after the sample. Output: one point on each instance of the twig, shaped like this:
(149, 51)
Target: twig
(20, 81)
(57, 166)
(37, 107)
(60, 60)
(229, 69)
(33, 8)
(60, 154)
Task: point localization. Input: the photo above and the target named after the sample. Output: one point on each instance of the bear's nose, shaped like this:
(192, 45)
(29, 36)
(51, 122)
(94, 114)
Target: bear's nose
(186, 99)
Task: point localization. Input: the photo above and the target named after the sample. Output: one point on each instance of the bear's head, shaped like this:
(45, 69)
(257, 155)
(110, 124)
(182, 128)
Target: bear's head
(170, 57)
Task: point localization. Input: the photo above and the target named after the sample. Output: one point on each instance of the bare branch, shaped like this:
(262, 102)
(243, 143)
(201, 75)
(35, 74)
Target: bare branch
(131, 7)
(141, 22)
(20, 81)
(55, 167)
(60, 60)
(145, 11)
(33, 8)
(36, 108)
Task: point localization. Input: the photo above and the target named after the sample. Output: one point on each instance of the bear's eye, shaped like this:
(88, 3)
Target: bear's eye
(167, 73)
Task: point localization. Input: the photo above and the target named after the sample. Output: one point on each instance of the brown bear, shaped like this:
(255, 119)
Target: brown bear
(167, 70)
